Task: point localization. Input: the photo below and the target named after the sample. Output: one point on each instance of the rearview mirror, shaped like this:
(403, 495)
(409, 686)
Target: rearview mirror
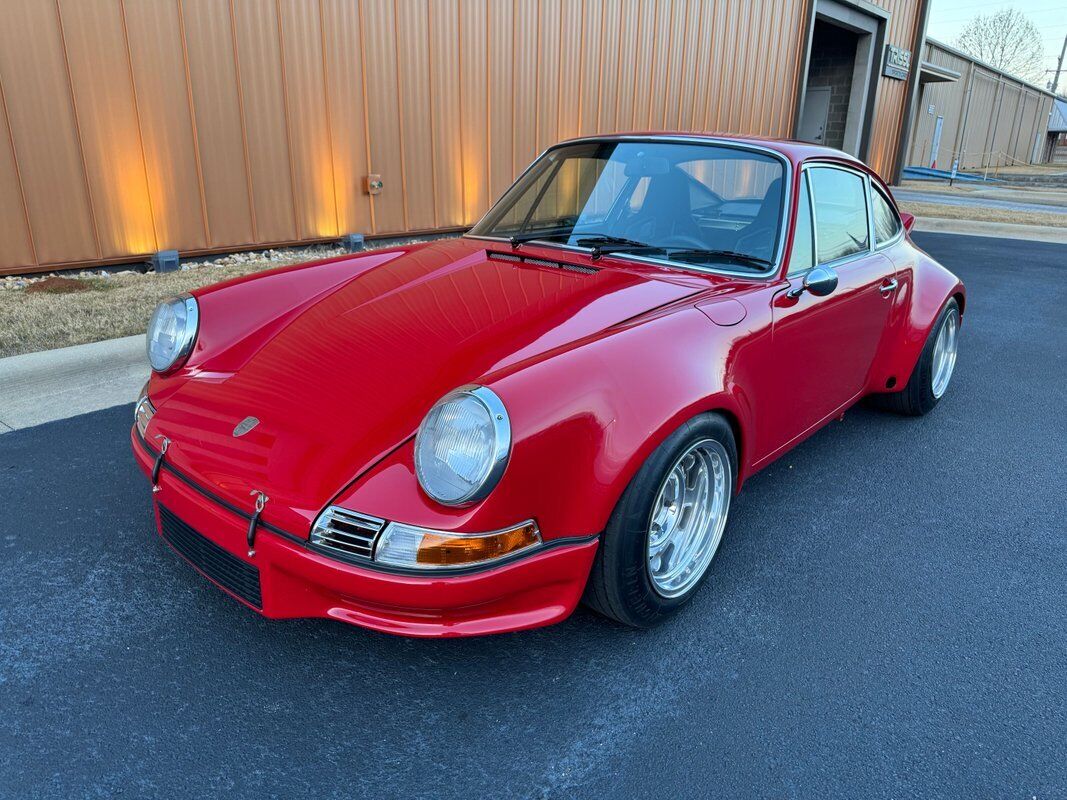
(820, 281)
(908, 220)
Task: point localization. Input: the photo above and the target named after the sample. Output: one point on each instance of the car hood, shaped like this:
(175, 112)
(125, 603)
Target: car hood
(347, 378)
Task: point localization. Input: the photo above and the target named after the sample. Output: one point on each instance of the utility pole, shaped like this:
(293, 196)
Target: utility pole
(1059, 65)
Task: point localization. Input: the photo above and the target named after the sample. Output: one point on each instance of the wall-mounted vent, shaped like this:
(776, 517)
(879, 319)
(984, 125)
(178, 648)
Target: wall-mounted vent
(542, 262)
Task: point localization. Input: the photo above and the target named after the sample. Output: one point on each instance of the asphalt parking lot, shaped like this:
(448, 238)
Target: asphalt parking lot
(887, 617)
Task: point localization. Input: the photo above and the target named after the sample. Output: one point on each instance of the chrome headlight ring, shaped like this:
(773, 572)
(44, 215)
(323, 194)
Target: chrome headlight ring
(172, 332)
(462, 446)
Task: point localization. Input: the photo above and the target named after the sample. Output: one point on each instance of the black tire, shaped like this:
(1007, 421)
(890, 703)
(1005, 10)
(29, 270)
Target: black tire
(620, 586)
(917, 397)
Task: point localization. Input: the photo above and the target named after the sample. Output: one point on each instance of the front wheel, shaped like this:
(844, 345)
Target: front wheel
(666, 528)
(933, 372)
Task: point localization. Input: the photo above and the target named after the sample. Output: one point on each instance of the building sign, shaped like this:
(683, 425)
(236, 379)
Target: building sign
(897, 62)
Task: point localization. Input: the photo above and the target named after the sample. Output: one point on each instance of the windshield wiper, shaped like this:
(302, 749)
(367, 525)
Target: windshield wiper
(594, 239)
(600, 243)
(731, 255)
(603, 243)
(522, 238)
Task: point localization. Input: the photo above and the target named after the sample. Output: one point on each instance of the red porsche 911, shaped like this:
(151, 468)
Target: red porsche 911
(470, 436)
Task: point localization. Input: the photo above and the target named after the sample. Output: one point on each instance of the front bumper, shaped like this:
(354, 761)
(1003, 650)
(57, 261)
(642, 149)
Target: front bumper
(293, 581)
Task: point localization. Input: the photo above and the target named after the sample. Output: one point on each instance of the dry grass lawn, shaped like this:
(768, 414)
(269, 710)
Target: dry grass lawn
(119, 305)
(982, 214)
(113, 307)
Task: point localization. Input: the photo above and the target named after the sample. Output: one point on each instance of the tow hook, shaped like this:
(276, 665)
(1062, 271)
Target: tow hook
(164, 444)
(253, 523)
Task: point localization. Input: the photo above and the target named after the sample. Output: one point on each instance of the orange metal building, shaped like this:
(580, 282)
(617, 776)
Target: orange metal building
(130, 126)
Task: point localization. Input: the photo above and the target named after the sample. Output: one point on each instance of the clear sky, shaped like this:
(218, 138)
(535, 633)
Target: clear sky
(947, 18)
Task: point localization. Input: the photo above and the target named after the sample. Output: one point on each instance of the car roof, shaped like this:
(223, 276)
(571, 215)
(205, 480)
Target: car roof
(792, 149)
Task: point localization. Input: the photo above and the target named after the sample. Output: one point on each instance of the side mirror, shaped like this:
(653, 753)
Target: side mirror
(820, 281)
(908, 220)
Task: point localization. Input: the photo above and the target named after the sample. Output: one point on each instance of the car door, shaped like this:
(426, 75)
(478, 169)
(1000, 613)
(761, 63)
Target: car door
(824, 346)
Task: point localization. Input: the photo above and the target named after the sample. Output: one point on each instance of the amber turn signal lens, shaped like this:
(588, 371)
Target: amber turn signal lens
(408, 546)
(451, 551)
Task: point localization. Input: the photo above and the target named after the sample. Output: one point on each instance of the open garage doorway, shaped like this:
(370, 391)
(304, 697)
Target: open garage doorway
(837, 101)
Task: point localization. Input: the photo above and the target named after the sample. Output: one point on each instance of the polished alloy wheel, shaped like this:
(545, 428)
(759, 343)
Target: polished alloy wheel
(944, 360)
(688, 518)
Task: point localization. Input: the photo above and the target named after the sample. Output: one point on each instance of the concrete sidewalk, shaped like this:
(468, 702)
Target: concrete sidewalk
(1051, 197)
(976, 200)
(996, 230)
(56, 384)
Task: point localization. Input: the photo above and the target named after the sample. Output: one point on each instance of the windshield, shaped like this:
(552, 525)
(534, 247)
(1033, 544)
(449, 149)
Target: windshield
(707, 205)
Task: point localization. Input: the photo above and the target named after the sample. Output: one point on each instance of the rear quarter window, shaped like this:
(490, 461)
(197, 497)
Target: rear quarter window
(886, 222)
(840, 213)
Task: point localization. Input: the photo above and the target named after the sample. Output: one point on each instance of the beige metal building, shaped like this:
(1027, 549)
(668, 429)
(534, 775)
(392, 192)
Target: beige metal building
(131, 126)
(1056, 140)
(973, 113)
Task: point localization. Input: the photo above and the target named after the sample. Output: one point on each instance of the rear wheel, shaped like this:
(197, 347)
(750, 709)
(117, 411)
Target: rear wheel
(930, 379)
(666, 528)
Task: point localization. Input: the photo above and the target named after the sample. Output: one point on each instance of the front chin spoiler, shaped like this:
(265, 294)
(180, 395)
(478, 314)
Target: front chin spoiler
(537, 589)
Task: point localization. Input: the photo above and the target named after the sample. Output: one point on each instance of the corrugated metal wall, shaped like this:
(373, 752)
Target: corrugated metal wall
(1004, 117)
(130, 126)
(892, 96)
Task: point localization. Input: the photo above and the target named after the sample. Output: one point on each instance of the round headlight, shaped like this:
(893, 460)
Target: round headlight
(172, 331)
(462, 446)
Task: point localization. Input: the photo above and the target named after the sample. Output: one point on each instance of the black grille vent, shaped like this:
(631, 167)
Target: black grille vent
(227, 570)
(543, 262)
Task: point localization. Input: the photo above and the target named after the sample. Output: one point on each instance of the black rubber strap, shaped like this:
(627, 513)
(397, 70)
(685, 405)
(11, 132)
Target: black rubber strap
(253, 523)
(159, 464)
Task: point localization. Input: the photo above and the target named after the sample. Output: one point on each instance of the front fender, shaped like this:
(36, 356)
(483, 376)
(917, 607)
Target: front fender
(583, 421)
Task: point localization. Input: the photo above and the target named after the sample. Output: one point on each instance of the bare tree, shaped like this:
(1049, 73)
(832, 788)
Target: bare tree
(1007, 40)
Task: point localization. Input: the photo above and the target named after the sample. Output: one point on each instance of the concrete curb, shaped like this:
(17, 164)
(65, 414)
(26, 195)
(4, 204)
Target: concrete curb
(56, 384)
(998, 230)
(1053, 197)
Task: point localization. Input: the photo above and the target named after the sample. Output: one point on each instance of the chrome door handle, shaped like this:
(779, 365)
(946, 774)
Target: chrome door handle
(887, 287)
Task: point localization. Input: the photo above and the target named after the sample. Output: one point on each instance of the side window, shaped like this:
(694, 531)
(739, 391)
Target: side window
(803, 256)
(840, 213)
(886, 222)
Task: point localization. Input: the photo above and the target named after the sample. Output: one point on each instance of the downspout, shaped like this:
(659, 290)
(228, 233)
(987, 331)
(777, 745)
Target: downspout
(991, 142)
(912, 91)
(802, 78)
(961, 134)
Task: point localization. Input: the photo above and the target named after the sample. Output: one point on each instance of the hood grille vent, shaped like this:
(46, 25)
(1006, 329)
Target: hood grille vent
(543, 262)
(346, 534)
